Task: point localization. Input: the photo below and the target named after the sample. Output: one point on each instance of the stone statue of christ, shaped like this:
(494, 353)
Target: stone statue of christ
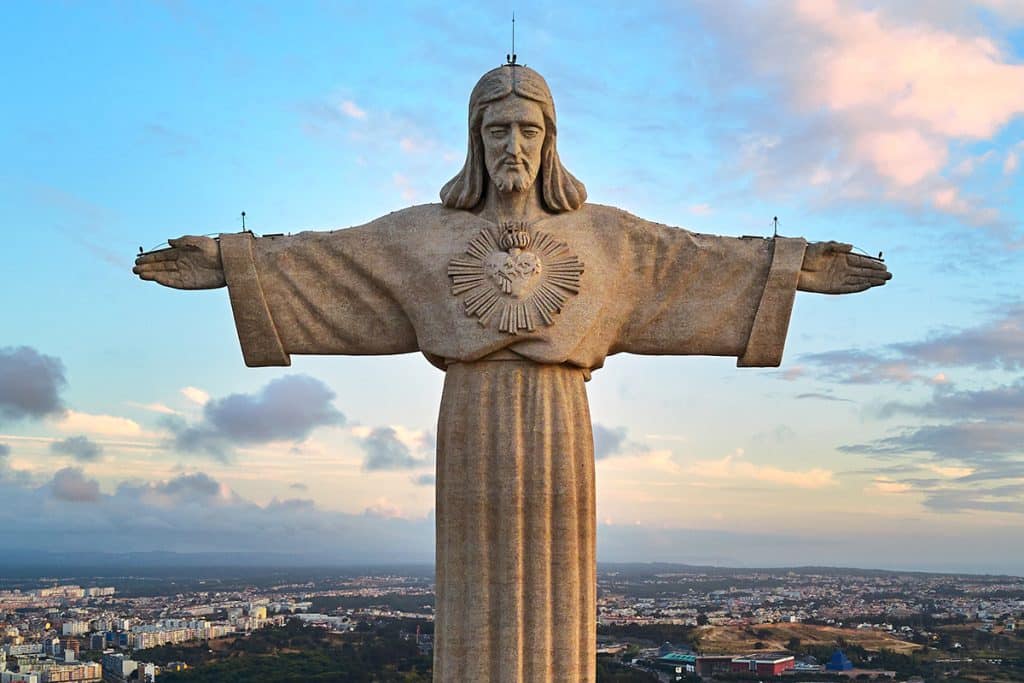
(517, 289)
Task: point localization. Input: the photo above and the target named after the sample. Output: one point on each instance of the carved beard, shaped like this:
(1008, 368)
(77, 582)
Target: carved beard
(512, 179)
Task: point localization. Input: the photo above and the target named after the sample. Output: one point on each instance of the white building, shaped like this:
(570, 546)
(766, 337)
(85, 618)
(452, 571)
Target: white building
(10, 677)
(74, 628)
(117, 667)
(70, 592)
(79, 673)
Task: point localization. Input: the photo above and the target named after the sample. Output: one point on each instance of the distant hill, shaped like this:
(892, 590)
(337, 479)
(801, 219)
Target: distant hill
(20, 563)
(25, 563)
(653, 568)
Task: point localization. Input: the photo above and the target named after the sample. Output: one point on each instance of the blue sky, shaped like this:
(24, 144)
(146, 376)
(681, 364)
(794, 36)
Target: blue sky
(893, 422)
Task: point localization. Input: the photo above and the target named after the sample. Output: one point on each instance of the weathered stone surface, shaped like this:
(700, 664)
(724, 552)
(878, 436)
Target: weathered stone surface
(518, 289)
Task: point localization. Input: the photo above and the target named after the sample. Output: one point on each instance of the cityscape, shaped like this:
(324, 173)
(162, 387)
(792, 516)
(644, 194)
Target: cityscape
(656, 622)
(329, 352)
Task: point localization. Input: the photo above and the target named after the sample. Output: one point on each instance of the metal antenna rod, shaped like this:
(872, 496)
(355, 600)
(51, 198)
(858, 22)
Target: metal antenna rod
(510, 59)
(775, 222)
(243, 221)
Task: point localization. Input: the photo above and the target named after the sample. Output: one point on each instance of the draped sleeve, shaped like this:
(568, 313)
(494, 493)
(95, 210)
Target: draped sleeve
(318, 292)
(696, 294)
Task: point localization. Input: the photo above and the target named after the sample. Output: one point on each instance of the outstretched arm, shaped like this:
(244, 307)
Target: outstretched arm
(188, 263)
(831, 268)
(727, 296)
(310, 293)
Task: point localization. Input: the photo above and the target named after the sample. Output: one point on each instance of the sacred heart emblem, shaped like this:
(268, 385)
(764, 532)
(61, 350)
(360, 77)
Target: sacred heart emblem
(517, 272)
(515, 278)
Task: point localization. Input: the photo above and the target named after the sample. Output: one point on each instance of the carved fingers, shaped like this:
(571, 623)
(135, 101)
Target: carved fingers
(832, 268)
(161, 266)
(866, 262)
(863, 272)
(189, 263)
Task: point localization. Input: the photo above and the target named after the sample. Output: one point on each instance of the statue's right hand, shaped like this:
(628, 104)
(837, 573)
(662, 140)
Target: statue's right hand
(189, 263)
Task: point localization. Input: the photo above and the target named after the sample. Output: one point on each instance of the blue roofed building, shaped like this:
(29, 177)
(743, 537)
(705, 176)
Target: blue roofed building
(839, 662)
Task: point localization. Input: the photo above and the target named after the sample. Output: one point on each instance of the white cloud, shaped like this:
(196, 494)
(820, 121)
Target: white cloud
(668, 437)
(886, 485)
(382, 507)
(904, 156)
(885, 97)
(951, 85)
(416, 145)
(155, 408)
(971, 164)
(415, 439)
(793, 372)
(351, 109)
(197, 396)
(951, 472)
(1012, 161)
(404, 185)
(660, 464)
(108, 425)
(949, 200)
(1010, 10)
(734, 467)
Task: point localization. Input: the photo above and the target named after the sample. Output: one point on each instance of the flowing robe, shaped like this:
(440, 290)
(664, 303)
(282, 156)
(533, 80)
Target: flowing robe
(516, 593)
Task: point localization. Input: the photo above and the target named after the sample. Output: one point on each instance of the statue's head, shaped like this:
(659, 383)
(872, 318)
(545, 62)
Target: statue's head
(513, 100)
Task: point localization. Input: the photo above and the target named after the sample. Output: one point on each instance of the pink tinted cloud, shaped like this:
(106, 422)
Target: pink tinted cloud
(899, 90)
(951, 85)
(904, 156)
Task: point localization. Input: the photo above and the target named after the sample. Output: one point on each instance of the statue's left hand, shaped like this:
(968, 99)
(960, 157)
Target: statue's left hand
(190, 262)
(831, 268)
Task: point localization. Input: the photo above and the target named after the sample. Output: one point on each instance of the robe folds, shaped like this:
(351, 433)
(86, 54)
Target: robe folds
(515, 513)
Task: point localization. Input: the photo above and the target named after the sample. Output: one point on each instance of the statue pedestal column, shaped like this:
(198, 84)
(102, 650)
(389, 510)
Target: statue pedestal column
(516, 572)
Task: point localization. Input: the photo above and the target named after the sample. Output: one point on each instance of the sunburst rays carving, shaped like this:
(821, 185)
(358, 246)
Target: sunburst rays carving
(516, 279)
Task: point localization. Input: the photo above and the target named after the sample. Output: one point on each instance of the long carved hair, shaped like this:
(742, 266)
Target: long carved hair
(560, 191)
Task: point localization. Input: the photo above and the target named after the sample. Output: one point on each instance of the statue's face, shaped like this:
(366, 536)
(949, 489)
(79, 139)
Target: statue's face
(513, 136)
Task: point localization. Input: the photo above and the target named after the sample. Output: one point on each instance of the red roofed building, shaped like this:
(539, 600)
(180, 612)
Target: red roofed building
(767, 664)
(714, 664)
